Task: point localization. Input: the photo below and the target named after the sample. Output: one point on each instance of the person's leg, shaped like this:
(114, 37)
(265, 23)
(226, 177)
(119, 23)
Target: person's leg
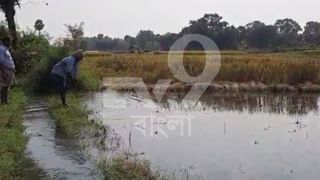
(2, 99)
(58, 84)
(4, 95)
(63, 97)
(62, 91)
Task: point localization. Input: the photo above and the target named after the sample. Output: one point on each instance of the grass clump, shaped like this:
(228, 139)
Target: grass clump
(121, 168)
(72, 119)
(12, 140)
(89, 80)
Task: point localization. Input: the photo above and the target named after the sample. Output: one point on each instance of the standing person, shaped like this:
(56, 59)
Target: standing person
(65, 71)
(7, 69)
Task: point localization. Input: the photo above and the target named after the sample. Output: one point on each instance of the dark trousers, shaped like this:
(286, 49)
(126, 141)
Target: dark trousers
(4, 95)
(59, 85)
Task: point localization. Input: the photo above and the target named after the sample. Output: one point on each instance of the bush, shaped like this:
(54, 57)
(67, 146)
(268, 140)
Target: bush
(121, 168)
(31, 50)
(38, 79)
(43, 71)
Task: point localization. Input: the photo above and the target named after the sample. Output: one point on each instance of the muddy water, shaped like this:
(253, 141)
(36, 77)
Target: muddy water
(57, 156)
(244, 136)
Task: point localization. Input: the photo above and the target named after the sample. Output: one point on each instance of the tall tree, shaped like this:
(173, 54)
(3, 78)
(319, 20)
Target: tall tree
(209, 25)
(147, 40)
(288, 30)
(104, 44)
(242, 35)
(166, 41)
(131, 40)
(311, 32)
(76, 32)
(228, 38)
(212, 25)
(8, 7)
(260, 35)
(38, 26)
(100, 36)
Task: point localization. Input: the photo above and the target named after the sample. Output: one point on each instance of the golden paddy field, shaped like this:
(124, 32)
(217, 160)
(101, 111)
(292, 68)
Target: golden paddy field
(267, 68)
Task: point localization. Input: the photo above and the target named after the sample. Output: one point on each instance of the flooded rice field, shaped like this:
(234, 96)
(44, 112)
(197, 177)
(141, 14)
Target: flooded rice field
(223, 136)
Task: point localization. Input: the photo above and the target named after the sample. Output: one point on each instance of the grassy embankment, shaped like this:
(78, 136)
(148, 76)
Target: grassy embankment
(274, 68)
(12, 140)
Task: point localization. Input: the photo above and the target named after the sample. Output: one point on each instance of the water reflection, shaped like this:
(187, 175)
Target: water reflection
(251, 103)
(234, 136)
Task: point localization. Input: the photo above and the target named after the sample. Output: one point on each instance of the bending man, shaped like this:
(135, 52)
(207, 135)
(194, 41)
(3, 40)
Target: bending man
(65, 72)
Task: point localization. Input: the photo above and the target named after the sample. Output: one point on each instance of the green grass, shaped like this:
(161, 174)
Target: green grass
(73, 119)
(89, 80)
(122, 168)
(12, 140)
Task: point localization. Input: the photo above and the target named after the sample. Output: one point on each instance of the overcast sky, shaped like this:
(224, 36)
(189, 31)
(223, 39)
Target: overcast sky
(117, 18)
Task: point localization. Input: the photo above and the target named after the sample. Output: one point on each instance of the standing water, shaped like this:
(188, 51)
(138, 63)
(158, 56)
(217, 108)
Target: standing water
(236, 136)
(56, 155)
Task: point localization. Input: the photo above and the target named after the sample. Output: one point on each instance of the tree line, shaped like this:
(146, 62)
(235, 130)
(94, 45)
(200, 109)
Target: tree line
(283, 34)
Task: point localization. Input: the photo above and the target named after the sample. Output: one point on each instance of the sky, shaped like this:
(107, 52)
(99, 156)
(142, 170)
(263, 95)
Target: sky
(117, 18)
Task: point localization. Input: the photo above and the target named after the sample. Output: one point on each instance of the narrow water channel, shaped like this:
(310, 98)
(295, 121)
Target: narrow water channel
(57, 156)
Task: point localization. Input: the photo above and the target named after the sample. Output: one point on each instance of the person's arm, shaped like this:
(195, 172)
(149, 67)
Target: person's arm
(69, 77)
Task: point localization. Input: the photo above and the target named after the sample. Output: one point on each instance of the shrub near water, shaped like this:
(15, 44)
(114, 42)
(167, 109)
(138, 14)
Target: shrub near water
(288, 68)
(88, 78)
(121, 168)
(38, 79)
